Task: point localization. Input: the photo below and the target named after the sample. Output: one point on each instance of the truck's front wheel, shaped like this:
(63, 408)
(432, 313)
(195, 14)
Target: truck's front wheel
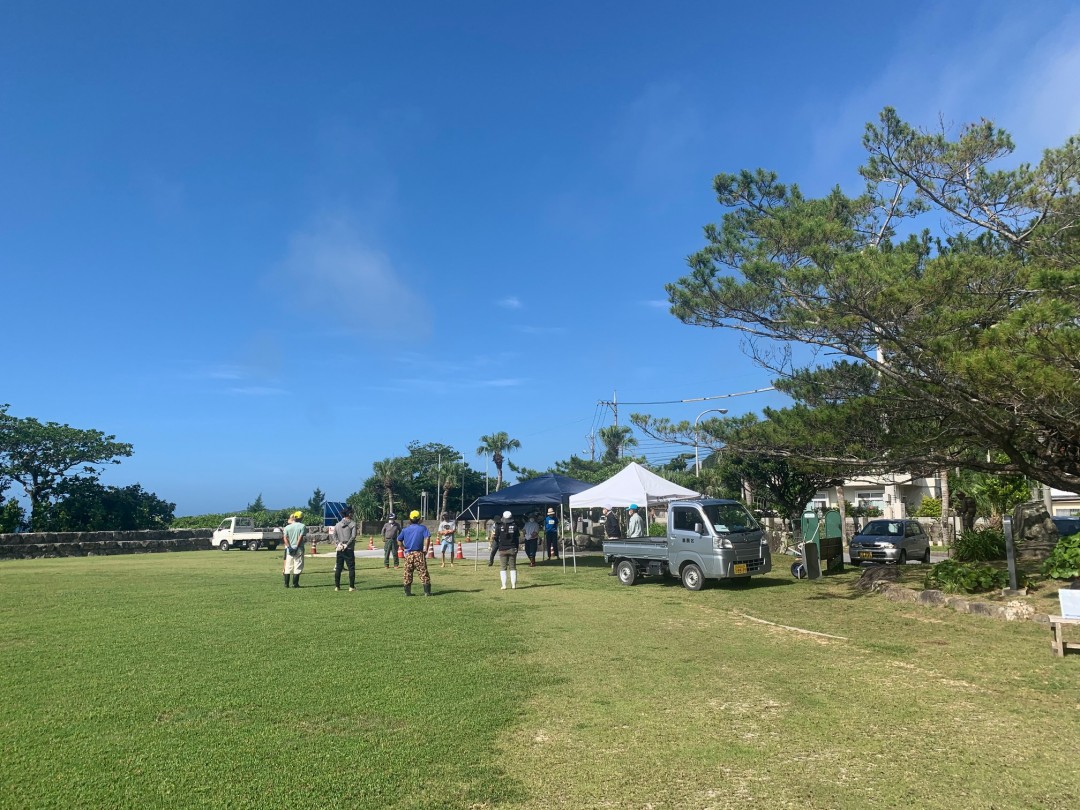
(626, 571)
(224, 545)
(692, 578)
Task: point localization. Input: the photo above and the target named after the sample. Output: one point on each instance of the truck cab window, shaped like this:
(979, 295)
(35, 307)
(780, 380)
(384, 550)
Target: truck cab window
(684, 520)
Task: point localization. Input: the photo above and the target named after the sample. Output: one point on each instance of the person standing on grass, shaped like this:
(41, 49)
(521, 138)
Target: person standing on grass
(416, 540)
(612, 529)
(294, 549)
(636, 528)
(551, 534)
(390, 531)
(532, 539)
(345, 537)
(508, 540)
(493, 531)
(447, 529)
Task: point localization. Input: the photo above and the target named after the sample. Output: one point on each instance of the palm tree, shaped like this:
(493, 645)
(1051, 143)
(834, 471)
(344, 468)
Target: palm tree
(495, 445)
(388, 470)
(615, 438)
(453, 474)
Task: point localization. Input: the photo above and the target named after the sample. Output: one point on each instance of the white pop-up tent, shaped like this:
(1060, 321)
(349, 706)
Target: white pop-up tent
(632, 485)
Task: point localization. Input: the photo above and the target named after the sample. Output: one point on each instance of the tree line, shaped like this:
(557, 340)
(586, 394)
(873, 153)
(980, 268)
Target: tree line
(942, 305)
(58, 468)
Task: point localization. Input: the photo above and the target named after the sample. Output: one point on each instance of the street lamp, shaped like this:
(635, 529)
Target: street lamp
(697, 456)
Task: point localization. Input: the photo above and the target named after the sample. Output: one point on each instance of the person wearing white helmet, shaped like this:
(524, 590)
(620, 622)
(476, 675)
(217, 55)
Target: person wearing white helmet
(636, 527)
(508, 540)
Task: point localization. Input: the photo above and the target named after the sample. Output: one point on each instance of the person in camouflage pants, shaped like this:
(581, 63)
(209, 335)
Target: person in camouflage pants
(415, 539)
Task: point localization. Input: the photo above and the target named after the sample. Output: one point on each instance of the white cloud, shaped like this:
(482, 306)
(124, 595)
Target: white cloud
(657, 304)
(1019, 70)
(257, 391)
(330, 268)
(658, 132)
(511, 302)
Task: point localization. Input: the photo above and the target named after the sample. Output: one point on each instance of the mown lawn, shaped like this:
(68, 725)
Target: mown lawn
(197, 680)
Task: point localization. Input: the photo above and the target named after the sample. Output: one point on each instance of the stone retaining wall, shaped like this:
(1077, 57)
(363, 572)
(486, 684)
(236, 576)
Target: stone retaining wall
(1014, 610)
(88, 544)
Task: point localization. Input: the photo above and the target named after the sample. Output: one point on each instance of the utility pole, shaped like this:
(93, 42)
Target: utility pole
(613, 403)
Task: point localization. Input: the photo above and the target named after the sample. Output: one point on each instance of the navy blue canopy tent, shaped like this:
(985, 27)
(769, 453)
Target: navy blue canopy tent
(550, 489)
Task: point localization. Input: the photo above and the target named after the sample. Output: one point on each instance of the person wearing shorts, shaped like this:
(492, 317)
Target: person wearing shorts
(447, 529)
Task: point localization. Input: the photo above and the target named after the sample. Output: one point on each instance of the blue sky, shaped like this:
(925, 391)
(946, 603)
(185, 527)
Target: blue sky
(270, 243)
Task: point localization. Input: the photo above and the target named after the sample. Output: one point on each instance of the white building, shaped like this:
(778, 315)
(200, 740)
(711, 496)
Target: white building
(897, 495)
(1066, 504)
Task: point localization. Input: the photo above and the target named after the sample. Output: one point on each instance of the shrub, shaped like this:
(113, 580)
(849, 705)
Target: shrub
(1064, 560)
(929, 507)
(979, 545)
(958, 577)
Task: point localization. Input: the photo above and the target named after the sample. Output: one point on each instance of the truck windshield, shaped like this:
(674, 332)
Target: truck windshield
(730, 518)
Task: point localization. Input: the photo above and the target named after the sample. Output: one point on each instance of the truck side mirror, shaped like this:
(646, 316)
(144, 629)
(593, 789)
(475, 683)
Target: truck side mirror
(699, 528)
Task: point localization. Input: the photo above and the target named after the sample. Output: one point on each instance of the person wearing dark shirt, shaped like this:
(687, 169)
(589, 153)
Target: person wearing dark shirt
(508, 540)
(612, 530)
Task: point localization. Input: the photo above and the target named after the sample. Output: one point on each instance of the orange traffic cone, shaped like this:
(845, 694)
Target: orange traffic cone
(314, 547)
(459, 555)
(371, 544)
(431, 553)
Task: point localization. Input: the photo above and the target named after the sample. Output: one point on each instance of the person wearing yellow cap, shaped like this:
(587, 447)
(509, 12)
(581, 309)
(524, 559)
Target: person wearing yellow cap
(294, 549)
(416, 540)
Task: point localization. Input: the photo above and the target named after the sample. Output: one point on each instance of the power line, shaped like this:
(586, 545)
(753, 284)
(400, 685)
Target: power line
(692, 399)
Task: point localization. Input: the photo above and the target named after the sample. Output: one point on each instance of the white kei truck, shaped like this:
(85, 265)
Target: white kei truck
(240, 532)
(705, 539)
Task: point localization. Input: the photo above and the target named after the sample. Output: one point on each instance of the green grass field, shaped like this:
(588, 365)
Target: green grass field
(197, 680)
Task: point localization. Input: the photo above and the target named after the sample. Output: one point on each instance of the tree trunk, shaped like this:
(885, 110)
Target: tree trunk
(843, 513)
(946, 520)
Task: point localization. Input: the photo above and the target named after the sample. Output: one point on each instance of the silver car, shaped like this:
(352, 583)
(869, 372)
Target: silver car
(890, 541)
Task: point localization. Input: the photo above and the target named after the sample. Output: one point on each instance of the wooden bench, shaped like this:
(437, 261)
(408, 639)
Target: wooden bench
(1057, 641)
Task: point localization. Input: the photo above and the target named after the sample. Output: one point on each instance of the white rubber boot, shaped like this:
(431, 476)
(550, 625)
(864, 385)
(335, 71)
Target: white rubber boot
(502, 576)
(513, 579)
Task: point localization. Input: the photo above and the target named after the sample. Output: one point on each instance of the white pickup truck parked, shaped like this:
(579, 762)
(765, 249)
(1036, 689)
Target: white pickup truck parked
(705, 539)
(240, 532)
